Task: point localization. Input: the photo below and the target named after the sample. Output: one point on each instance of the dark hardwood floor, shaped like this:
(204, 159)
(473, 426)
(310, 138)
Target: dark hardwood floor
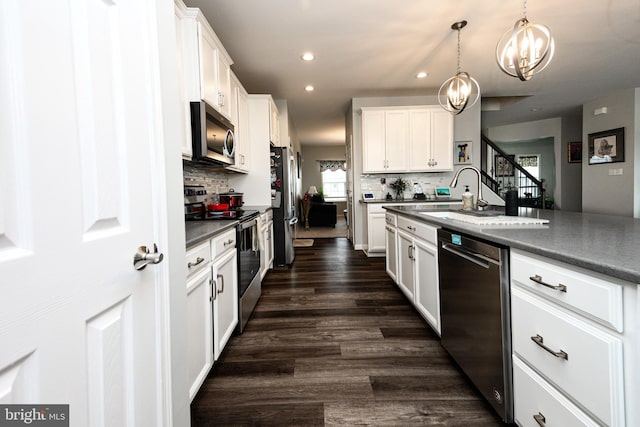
(334, 342)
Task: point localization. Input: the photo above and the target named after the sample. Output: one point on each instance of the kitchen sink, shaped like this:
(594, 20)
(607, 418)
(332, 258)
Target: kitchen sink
(485, 218)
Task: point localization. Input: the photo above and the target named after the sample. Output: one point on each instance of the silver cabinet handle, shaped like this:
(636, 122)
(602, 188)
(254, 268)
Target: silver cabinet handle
(411, 228)
(143, 256)
(538, 280)
(199, 260)
(228, 242)
(213, 294)
(540, 419)
(560, 354)
(221, 277)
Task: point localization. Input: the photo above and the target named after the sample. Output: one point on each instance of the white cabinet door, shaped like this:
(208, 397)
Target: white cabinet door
(225, 302)
(419, 140)
(373, 141)
(427, 299)
(441, 140)
(391, 251)
(199, 329)
(396, 140)
(406, 275)
(274, 125)
(269, 244)
(376, 233)
(240, 120)
(183, 72)
(208, 66)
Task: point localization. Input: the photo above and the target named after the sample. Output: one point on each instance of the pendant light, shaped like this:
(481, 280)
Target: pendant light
(526, 49)
(461, 90)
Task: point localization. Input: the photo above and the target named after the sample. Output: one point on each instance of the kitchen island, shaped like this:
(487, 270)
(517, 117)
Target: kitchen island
(573, 312)
(604, 243)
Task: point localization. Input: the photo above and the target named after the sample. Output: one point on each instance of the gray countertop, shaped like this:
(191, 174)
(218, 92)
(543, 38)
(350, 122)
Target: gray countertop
(411, 201)
(604, 243)
(199, 231)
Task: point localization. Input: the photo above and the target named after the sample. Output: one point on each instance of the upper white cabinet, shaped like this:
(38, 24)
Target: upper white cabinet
(406, 139)
(206, 64)
(274, 124)
(240, 120)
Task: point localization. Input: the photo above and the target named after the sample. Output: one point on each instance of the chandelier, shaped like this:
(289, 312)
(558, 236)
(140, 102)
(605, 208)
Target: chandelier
(526, 49)
(461, 90)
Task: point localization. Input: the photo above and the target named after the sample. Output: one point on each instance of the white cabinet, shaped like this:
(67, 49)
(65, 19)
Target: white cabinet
(266, 253)
(418, 268)
(225, 289)
(199, 316)
(391, 245)
(406, 139)
(274, 125)
(376, 234)
(206, 65)
(384, 136)
(240, 120)
(572, 342)
(430, 140)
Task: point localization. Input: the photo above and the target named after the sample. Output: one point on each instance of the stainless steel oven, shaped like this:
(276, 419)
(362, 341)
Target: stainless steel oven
(249, 285)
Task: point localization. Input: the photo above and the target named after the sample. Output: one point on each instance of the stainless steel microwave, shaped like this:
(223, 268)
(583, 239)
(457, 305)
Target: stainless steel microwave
(212, 135)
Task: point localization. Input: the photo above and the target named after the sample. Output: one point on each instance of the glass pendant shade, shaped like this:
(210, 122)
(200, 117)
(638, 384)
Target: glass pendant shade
(525, 50)
(462, 90)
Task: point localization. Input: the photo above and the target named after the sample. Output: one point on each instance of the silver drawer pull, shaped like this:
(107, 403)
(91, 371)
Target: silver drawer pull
(199, 260)
(228, 242)
(539, 340)
(540, 419)
(538, 280)
(411, 228)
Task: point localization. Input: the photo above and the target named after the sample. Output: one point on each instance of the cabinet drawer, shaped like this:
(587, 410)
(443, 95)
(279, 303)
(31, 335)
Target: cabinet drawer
(198, 257)
(418, 229)
(535, 397)
(592, 373)
(391, 219)
(223, 242)
(584, 292)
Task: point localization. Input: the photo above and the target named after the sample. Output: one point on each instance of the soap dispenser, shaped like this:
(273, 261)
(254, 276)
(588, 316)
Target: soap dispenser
(467, 199)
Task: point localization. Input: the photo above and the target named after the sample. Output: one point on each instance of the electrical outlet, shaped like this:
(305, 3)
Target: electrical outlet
(615, 172)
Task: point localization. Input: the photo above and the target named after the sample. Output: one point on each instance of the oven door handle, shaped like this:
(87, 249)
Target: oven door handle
(475, 258)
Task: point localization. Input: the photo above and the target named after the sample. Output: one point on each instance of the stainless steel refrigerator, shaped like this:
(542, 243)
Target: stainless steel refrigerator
(283, 205)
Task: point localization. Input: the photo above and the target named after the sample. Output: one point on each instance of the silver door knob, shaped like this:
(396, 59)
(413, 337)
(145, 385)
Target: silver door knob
(143, 257)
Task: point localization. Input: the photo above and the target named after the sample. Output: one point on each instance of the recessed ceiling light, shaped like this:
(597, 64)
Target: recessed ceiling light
(308, 56)
(535, 109)
(422, 75)
(309, 88)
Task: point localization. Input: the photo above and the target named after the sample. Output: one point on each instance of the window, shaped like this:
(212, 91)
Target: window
(530, 163)
(334, 185)
(334, 179)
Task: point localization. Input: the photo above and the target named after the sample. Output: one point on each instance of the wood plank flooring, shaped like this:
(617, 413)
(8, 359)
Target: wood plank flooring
(334, 342)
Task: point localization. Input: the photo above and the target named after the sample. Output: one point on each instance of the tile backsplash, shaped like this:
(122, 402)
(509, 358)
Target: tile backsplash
(213, 181)
(428, 182)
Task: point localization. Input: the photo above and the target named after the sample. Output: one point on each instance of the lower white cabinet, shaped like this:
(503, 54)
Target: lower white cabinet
(575, 345)
(266, 252)
(212, 304)
(225, 299)
(391, 245)
(199, 315)
(417, 267)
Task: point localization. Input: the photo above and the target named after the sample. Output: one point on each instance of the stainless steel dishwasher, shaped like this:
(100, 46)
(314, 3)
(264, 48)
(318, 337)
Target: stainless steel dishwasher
(474, 310)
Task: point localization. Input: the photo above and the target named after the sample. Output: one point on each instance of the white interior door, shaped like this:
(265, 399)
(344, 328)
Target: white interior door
(78, 127)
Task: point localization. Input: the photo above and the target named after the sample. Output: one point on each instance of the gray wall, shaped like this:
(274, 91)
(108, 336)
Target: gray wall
(601, 192)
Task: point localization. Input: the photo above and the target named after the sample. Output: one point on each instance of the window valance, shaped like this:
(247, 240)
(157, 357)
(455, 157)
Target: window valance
(333, 165)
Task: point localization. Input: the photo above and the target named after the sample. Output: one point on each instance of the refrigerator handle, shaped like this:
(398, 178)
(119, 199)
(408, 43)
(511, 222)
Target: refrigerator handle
(293, 221)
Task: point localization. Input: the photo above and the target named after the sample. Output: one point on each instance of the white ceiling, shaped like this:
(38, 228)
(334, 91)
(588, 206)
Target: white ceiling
(375, 47)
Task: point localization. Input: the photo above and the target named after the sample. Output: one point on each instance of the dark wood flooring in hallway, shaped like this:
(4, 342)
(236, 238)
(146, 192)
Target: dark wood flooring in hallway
(334, 342)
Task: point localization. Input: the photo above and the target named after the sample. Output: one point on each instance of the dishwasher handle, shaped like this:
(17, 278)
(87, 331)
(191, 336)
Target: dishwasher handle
(475, 258)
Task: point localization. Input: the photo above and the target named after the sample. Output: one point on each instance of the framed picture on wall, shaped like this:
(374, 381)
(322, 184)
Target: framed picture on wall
(502, 166)
(574, 152)
(462, 153)
(606, 146)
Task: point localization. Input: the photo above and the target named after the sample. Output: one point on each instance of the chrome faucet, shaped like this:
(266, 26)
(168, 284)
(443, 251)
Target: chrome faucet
(481, 203)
